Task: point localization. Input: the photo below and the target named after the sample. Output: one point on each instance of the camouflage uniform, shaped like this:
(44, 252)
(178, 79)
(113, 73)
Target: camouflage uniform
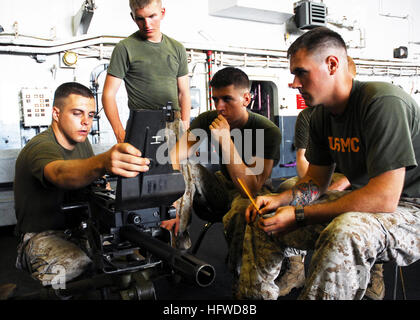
(234, 224)
(52, 257)
(221, 194)
(291, 182)
(226, 201)
(197, 180)
(220, 191)
(173, 132)
(344, 252)
(50, 254)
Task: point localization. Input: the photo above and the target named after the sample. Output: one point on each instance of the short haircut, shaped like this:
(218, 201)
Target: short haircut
(68, 88)
(228, 76)
(316, 40)
(140, 4)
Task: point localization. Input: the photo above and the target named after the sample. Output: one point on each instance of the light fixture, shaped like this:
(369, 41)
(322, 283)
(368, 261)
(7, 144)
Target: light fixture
(70, 58)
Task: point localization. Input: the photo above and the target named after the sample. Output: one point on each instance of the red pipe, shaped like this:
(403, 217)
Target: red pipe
(209, 74)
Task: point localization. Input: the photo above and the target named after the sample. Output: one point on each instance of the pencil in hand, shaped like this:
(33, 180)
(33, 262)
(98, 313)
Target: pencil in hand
(244, 187)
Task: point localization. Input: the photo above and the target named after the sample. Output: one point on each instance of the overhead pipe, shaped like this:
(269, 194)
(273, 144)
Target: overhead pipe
(56, 47)
(94, 80)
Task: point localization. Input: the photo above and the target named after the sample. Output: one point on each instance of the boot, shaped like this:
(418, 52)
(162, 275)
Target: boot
(376, 287)
(293, 277)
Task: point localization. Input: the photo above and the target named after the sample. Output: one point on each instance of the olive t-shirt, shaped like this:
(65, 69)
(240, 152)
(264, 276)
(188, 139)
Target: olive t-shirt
(259, 137)
(149, 70)
(37, 201)
(302, 128)
(379, 131)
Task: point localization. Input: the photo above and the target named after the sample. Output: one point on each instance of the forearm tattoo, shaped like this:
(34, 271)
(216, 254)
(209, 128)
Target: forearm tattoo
(304, 193)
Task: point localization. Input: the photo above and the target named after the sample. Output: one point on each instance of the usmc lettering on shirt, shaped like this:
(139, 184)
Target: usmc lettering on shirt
(344, 144)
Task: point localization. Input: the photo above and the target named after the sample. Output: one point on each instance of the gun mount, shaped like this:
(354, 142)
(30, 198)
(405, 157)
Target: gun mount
(125, 223)
(129, 220)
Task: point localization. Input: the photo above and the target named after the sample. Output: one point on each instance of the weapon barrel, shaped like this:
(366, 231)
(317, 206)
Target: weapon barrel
(184, 264)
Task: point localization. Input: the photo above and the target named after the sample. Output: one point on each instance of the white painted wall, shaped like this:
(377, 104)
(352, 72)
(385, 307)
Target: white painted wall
(189, 20)
(379, 27)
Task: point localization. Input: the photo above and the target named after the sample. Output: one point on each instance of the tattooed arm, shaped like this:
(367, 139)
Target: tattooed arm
(381, 194)
(304, 193)
(284, 219)
(312, 185)
(308, 189)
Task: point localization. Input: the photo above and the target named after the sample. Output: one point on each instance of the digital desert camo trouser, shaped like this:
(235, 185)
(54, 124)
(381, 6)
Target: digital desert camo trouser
(52, 257)
(220, 192)
(344, 252)
(222, 197)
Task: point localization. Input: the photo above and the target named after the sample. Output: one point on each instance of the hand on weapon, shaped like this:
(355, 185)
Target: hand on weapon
(125, 160)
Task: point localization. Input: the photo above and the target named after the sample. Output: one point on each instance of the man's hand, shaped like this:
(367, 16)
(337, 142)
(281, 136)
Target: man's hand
(220, 129)
(125, 160)
(171, 224)
(265, 204)
(122, 159)
(282, 222)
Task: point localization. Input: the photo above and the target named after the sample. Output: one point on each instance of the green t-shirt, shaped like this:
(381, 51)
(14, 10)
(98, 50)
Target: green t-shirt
(302, 128)
(149, 70)
(268, 143)
(379, 131)
(37, 201)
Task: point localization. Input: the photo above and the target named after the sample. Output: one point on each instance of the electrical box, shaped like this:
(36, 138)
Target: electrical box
(401, 53)
(309, 15)
(37, 107)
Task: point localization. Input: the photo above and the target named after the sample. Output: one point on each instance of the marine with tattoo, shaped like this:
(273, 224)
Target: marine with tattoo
(371, 131)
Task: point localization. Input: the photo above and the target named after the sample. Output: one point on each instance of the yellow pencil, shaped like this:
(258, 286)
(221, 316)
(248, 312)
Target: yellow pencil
(248, 194)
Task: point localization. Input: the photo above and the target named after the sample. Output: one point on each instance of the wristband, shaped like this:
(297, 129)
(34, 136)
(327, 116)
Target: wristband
(300, 216)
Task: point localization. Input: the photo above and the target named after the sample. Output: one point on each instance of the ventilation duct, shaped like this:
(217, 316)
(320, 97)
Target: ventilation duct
(309, 15)
(268, 11)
